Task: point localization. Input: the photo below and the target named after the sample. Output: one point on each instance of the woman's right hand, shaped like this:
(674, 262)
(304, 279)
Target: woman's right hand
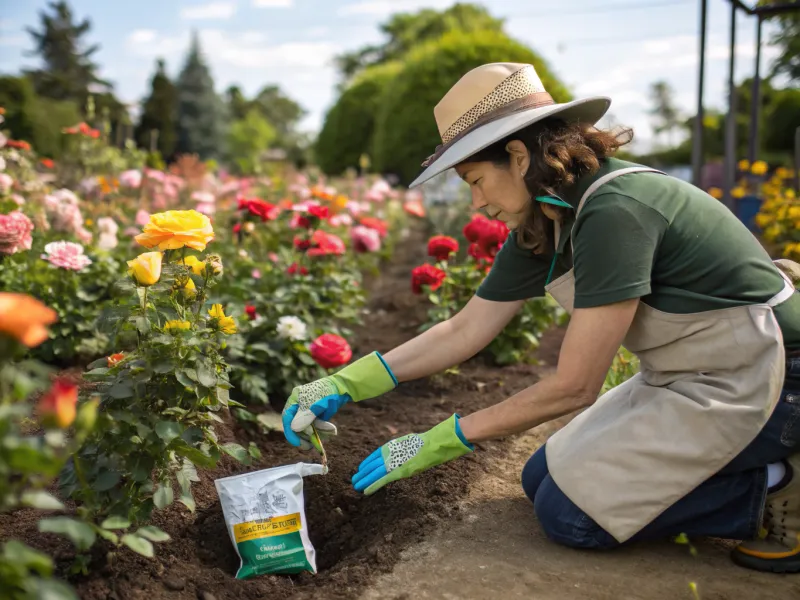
(317, 402)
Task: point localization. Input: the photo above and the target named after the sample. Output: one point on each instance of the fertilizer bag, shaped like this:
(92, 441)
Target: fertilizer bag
(266, 520)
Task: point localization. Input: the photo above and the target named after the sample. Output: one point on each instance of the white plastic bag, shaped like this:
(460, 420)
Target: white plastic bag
(265, 516)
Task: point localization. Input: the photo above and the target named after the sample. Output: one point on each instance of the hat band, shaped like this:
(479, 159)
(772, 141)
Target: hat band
(535, 100)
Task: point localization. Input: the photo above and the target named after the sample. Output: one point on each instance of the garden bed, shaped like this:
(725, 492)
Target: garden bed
(356, 538)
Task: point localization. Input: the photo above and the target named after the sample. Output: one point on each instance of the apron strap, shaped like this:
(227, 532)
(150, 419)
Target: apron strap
(603, 180)
(787, 292)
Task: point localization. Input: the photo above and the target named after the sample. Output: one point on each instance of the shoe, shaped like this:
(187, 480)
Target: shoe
(777, 550)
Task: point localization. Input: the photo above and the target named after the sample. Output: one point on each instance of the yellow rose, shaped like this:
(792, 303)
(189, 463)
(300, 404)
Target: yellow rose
(188, 289)
(177, 324)
(744, 165)
(175, 229)
(146, 268)
(738, 192)
(197, 266)
(763, 220)
(715, 192)
(226, 324)
(759, 168)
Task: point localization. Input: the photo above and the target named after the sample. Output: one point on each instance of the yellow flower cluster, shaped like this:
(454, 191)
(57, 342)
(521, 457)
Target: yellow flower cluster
(779, 217)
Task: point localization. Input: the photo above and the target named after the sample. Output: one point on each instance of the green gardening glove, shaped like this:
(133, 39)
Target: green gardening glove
(411, 454)
(315, 403)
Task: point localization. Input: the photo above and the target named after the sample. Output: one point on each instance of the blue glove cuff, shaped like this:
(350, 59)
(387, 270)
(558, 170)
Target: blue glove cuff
(460, 434)
(388, 370)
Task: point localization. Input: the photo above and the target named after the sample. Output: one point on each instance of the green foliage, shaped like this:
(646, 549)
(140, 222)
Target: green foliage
(624, 366)
(78, 297)
(408, 30)
(29, 461)
(248, 139)
(36, 119)
(406, 131)
(782, 120)
(200, 113)
(158, 114)
(787, 39)
(349, 126)
(159, 401)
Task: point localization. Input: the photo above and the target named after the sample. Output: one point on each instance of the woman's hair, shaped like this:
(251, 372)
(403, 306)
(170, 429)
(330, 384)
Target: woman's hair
(560, 153)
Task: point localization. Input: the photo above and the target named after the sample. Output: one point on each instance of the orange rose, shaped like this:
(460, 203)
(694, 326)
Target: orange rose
(58, 406)
(25, 319)
(115, 359)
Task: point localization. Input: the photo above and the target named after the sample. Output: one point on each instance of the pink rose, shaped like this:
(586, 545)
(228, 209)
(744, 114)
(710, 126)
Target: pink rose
(66, 255)
(15, 233)
(365, 239)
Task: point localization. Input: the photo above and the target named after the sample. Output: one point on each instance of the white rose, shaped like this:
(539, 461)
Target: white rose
(291, 328)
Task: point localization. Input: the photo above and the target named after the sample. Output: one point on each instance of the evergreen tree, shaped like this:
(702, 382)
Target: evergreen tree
(158, 114)
(200, 114)
(68, 70)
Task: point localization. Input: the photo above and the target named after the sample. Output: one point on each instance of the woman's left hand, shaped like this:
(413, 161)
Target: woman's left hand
(411, 454)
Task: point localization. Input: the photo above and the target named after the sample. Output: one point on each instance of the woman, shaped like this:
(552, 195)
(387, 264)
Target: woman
(703, 440)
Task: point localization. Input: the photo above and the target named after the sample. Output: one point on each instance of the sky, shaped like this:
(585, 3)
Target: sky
(614, 48)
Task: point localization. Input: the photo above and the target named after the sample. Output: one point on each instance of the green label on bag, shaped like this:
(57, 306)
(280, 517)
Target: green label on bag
(272, 546)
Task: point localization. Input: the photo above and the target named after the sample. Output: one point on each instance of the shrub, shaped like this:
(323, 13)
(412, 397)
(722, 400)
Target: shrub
(349, 126)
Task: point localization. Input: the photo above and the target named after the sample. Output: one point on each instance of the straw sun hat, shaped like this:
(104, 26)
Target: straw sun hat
(491, 102)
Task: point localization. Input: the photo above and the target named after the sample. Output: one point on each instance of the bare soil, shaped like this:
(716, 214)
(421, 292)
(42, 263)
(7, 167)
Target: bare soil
(463, 530)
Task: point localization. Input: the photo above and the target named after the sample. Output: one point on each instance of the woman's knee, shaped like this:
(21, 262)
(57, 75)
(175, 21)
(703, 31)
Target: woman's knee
(534, 472)
(565, 523)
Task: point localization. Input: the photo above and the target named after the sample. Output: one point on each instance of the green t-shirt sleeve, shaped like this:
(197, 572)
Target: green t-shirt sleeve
(616, 241)
(516, 274)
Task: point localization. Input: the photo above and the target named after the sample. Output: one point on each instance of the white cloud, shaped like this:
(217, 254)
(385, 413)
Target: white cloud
(142, 36)
(273, 3)
(212, 10)
(239, 50)
(387, 7)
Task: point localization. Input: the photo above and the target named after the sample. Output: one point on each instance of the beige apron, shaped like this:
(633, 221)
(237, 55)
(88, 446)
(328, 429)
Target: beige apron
(708, 383)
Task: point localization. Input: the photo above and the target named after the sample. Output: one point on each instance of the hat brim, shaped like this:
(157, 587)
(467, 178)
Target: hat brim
(585, 110)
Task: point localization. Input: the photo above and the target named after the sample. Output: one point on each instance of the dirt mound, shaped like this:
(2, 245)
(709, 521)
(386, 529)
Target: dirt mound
(355, 537)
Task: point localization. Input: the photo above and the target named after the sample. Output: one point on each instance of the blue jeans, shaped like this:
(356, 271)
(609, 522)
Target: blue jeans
(727, 505)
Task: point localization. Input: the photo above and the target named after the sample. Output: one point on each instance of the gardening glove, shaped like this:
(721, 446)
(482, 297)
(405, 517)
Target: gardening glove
(411, 454)
(315, 403)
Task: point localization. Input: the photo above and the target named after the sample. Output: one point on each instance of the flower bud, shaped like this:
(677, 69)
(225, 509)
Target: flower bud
(146, 268)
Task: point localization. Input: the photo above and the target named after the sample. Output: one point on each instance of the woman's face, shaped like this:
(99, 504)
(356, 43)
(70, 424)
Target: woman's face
(500, 190)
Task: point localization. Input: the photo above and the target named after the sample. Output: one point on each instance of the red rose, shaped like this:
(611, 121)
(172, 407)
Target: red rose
(294, 268)
(258, 207)
(381, 226)
(330, 350)
(442, 246)
(426, 275)
(493, 236)
(250, 310)
(473, 230)
(326, 244)
(299, 222)
(320, 212)
(237, 228)
(115, 359)
(301, 243)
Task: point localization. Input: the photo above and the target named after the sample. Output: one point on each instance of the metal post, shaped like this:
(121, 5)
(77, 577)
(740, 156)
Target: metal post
(729, 171)
(755, 108)
(697, 141)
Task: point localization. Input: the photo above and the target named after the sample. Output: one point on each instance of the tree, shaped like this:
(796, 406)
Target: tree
(787, 39)
(68, 71)
(238, 105)
(200, 114)
(405, 130)
(349, 125)
(158, 114)
(664, 109)
(248, 139)
(408, 30)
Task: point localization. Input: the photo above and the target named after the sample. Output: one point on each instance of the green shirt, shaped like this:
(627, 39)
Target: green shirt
(649, 236)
